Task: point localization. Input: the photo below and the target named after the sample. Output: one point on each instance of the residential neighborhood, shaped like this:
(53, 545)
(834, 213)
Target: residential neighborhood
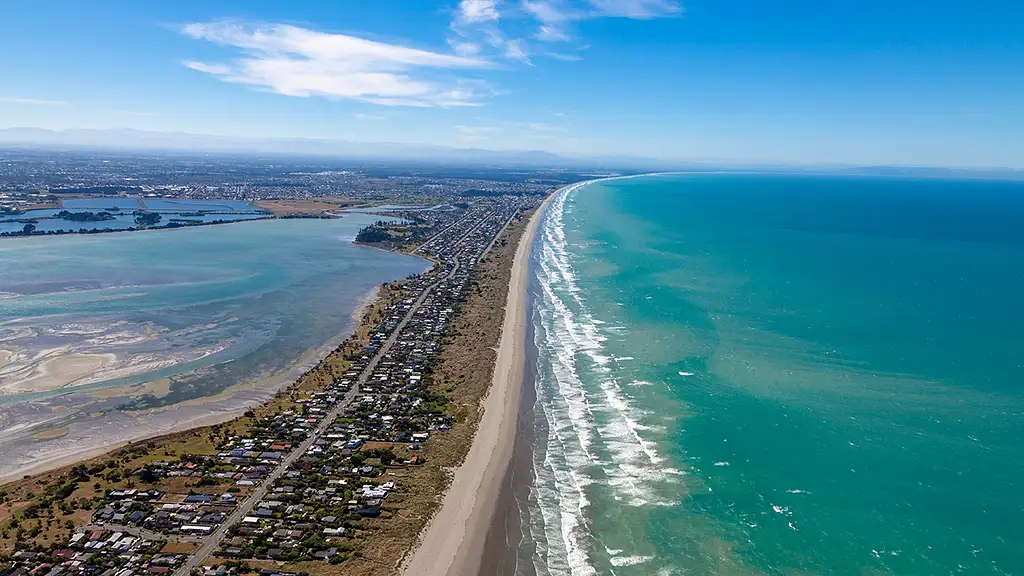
(300, 479)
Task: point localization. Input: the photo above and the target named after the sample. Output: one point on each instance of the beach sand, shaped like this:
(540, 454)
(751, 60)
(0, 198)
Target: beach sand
(454, 540)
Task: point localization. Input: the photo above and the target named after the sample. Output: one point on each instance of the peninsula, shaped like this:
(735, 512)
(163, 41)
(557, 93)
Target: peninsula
(339, 472)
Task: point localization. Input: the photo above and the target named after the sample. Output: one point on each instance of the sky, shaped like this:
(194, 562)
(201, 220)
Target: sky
(935, 83)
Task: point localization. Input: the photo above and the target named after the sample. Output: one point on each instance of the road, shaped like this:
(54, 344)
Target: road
(212, 542)
(434, 237)
(498, 235)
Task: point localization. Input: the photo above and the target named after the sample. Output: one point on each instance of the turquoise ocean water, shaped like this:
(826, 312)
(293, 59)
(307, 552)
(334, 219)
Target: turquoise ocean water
(769, 374)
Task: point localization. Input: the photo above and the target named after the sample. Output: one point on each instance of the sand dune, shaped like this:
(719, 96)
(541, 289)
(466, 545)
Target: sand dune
(453, 542)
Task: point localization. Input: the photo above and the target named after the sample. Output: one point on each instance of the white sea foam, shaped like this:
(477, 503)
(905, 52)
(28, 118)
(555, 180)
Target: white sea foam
(594, 433)
(630, 560)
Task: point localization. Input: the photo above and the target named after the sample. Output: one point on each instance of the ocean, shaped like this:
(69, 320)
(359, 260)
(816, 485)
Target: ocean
(108, 337)
(776, 374)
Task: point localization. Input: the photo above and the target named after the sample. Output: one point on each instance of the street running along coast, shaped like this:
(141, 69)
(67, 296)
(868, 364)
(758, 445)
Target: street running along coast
(453, 542)
(336, 473)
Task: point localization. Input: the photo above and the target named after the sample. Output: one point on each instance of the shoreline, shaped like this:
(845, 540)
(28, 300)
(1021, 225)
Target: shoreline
(278, 381)
(455, 539)
(503, 550)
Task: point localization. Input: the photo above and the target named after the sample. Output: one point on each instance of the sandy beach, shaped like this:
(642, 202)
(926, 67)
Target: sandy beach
(453, 542)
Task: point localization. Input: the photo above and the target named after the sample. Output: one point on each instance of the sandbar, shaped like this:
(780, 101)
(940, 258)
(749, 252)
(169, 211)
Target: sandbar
(54, 373)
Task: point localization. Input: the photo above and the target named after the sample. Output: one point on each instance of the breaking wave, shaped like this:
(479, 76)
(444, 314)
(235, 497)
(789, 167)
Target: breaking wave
(590, 438)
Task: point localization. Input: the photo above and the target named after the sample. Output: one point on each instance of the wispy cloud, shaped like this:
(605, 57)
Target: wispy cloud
(361, 116)
(476, 27)
(516, 50)
(518, 30)
(517, 131)
(639, 9)
(545, 128)
(300, 62)
(478, 10)
(33, 101)
(477, 130)
(553, 17)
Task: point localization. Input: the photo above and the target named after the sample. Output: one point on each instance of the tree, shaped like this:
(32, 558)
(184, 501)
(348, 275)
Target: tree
(146, 475)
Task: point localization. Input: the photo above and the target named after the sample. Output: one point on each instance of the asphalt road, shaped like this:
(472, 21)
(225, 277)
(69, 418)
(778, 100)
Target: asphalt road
(212, 542)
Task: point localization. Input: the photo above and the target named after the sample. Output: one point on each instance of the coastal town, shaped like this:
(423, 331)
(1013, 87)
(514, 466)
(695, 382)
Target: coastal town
(80, 192)
(36, 179)
(303, 483)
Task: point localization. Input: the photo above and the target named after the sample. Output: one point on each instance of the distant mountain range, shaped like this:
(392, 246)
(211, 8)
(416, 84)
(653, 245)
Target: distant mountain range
(130, 140)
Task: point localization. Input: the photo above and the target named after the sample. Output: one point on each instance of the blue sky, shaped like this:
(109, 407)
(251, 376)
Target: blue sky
(791, 81)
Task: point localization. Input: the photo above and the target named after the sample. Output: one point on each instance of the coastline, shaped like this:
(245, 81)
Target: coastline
(506, 551)
(455, 538)
(269, 384)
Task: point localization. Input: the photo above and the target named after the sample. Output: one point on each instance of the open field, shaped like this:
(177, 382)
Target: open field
(297, 207)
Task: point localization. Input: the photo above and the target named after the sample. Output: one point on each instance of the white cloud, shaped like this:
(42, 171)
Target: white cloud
(550, 33)
(564, 57)
(542, 127)
(300, 62)
(550, 11)
(477, 130)
(479, 10)
(639, 9)
(361, 116)
(554, 17)
(516, 50)
(476, 25)
(219, 69)
(33, 101)
(465, 48)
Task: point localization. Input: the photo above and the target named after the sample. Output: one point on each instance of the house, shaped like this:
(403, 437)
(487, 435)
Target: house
(326, 554)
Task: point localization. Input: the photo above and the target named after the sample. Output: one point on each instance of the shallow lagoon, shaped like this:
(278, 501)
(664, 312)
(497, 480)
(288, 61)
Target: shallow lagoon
(200, 311)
